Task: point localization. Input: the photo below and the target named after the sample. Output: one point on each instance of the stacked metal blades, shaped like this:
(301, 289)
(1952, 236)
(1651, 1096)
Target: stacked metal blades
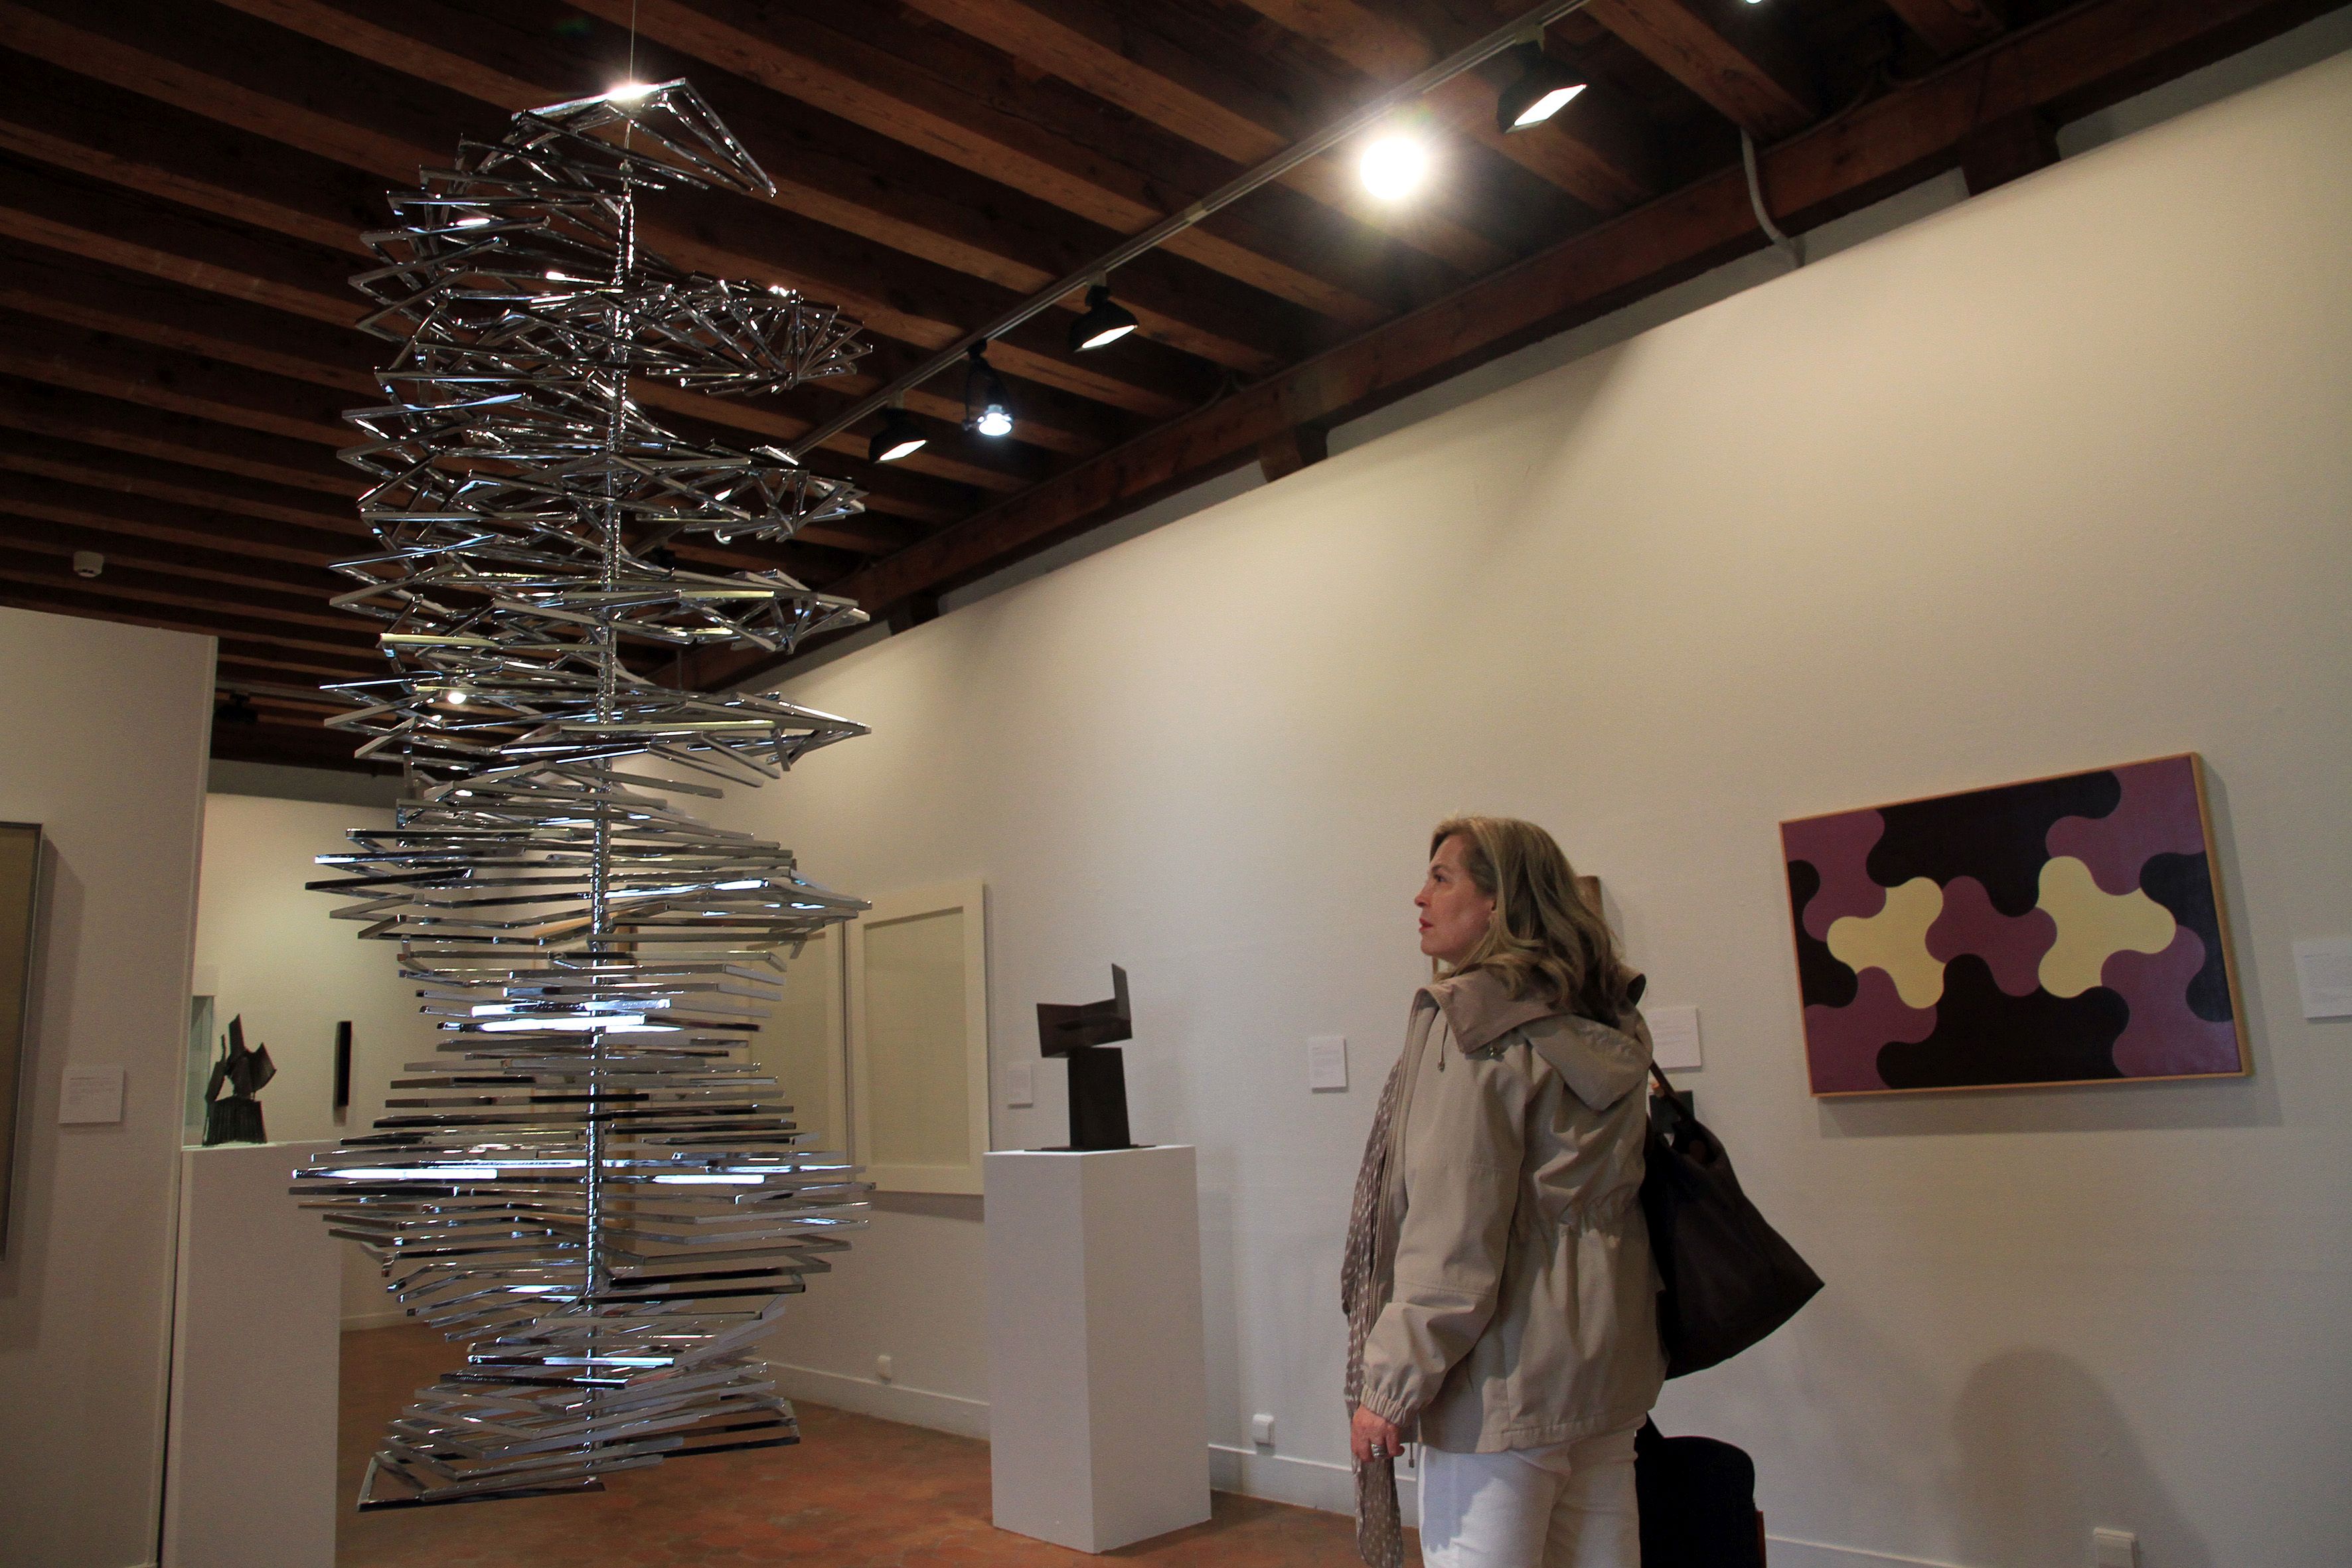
(589, 1186)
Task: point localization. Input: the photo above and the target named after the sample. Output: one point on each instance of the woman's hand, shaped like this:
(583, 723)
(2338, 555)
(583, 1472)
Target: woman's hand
(1372, 1438)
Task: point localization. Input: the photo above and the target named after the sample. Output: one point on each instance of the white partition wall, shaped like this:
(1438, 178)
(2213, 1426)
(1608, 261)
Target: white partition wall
(103, 731)
(2055, 478)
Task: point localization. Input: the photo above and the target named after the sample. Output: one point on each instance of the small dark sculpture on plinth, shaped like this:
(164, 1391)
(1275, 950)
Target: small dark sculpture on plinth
(237, 1119)
(1082, 1033)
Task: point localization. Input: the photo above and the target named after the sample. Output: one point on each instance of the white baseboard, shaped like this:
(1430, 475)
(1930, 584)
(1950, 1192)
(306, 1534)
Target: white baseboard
(890, 1401)
(1308, 1483)
(1787, 1552)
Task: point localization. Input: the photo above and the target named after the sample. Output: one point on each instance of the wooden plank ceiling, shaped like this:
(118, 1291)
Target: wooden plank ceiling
(182, 184)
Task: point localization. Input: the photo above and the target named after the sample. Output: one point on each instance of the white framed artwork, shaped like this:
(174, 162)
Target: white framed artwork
(917, 993)
(804, 1043)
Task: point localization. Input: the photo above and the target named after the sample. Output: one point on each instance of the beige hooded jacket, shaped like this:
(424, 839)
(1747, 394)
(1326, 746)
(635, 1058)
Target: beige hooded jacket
(1521, 1304)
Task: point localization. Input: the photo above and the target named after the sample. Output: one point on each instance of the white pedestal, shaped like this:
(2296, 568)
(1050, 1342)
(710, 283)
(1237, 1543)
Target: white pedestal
(256, 1359)
(1097, 1419)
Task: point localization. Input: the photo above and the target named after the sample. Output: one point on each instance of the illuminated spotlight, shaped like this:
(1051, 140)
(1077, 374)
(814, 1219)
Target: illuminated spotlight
(1543, 88)
(1104, 321)
(987, 411)
(899, 436)
(1394, 166)
(629, 91)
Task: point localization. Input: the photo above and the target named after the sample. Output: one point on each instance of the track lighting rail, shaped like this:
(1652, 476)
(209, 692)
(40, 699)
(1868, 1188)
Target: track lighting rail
(1465, 58)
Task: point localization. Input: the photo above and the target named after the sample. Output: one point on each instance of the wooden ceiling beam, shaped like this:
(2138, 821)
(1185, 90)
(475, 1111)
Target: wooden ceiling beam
(1594, 150)
(1114, 59)
(2082, 57)
(135, 574)
(230, 670)
(74, 463)
(284, 746)
(930, 320)
(102, 421)
(869, 87)
(131, 372)
(44, 537)
(1734, 56)
(146, 144)
(1953, 27)
(472, 54)
(26, 492)
(170, 603)
(104, 233)
(305, 349)
(330, 536)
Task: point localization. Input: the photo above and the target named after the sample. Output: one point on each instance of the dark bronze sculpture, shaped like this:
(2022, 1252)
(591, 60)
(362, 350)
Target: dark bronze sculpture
(237, 1119)
(1082, 1033)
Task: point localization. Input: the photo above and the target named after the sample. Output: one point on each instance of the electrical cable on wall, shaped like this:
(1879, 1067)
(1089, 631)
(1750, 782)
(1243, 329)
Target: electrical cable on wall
(1792, 248)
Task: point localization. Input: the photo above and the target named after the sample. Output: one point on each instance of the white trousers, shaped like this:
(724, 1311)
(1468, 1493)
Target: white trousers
(1570, 1505)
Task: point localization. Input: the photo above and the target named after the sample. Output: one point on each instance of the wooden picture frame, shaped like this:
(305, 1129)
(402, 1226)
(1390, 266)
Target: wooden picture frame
(2057, 931)
(803, 1043)
(917, 993)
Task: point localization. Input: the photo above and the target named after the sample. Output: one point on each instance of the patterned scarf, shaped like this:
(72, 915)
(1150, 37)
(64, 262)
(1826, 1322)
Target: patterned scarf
(1379, 1529)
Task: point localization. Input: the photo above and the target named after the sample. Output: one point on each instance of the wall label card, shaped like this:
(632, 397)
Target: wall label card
(2322, 972)
(1674, 1032)
(1326, 1063)
(91, 1095)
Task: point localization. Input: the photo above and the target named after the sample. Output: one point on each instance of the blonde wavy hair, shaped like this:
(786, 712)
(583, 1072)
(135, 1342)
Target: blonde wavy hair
(1544, 935)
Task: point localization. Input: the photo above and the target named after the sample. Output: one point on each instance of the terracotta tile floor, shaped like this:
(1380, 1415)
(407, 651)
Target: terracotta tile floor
(854, 1493)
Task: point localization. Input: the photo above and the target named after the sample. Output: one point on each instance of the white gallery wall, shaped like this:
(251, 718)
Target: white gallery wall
(274, 954)
(103, 731)
(2056, 479)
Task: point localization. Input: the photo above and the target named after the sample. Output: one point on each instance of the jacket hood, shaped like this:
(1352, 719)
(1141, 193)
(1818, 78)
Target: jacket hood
(1601, 1065)
(1480, 1009)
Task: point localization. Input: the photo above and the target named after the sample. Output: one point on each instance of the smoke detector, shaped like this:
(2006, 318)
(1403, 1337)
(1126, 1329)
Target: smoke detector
(89, 563)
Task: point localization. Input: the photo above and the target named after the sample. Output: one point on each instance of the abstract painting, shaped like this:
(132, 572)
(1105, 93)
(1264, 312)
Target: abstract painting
(2063, 930)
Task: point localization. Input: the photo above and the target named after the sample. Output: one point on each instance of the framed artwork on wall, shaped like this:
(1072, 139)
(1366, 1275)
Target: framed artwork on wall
(2062, 931)
(803, 1044)
(919, 1039)
(20, 889)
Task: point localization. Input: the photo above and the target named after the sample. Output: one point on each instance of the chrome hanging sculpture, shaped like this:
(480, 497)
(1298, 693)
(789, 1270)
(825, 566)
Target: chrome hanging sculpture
(590, 1185)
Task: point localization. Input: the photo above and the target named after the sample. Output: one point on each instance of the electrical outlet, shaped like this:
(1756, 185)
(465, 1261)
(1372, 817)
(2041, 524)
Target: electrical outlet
(882, 1368)
(1262, 1429)
(2114, 1549)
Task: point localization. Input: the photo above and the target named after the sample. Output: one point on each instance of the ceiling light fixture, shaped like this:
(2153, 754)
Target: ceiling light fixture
(1103, 321)
(987, 411)
(1334, 138)
(1394, 166)
(899, 436)
(1543, 88)
(237, 710)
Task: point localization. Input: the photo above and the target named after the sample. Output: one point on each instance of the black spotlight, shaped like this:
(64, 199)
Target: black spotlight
(237, 710)
(1104, 321)
(898, 436)
(1543, 88)
(987, 411)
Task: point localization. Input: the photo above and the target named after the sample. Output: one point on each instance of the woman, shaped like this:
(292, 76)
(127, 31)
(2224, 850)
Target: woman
(1501, 1301)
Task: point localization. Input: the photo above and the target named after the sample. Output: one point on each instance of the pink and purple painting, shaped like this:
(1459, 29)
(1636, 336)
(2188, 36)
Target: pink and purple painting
(2063, 930)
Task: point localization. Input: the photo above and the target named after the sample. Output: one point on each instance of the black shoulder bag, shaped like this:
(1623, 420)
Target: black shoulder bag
(1730, 1279)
